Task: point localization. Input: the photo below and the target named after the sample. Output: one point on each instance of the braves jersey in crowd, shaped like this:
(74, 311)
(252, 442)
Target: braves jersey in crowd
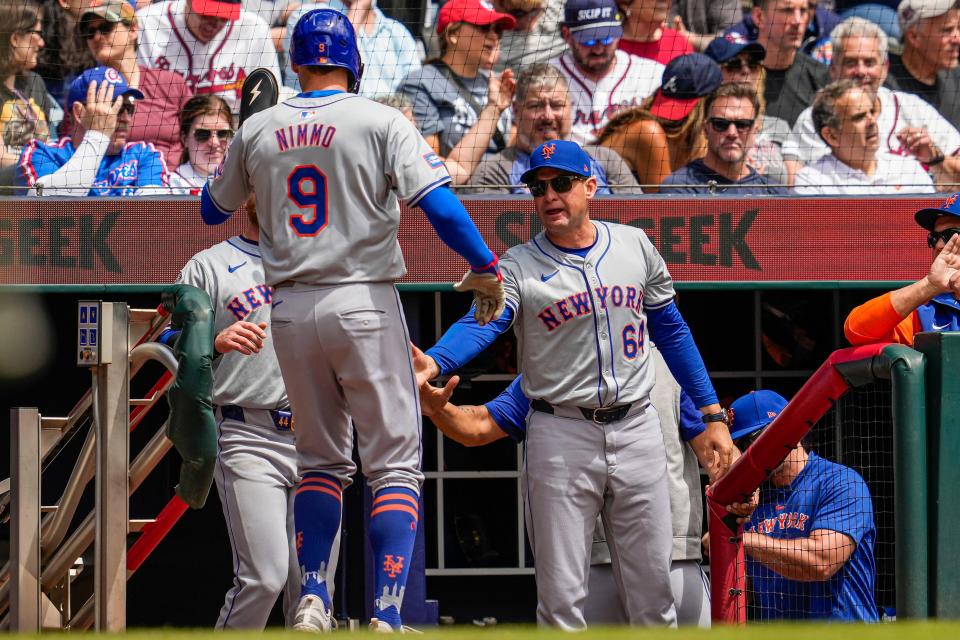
(825, 495)
(218, 66)
(630, 81)
(594, 303)
(138, 165)
(319, 223)
(232, 275)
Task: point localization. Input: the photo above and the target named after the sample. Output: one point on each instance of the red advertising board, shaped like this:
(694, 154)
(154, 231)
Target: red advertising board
(142, 241)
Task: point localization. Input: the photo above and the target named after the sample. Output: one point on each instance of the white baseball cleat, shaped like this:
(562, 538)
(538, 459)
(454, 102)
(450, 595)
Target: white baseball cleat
(379, 626)
(312, 615)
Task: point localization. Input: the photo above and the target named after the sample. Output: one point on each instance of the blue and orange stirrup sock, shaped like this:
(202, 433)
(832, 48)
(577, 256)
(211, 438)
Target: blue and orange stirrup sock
(393, 531)
(316, 514)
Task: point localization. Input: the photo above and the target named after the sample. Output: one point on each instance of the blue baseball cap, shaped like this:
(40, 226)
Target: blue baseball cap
(686, 79)
(927, 217)
(78, 88)
(731, 44)
(561, 155)
(754, 411)
(593, 19)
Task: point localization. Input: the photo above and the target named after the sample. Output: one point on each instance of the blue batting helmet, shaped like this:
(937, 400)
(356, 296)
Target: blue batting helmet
(325, 38)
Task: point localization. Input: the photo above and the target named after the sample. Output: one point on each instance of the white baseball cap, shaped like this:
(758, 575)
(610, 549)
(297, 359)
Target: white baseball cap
(910, 12)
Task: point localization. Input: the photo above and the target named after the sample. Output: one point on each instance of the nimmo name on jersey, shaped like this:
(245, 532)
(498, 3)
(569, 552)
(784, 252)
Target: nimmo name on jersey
(304, 135)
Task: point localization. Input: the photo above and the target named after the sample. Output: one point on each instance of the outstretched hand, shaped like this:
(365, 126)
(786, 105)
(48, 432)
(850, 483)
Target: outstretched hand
(425, 367)
(945, 271)
(715, 450)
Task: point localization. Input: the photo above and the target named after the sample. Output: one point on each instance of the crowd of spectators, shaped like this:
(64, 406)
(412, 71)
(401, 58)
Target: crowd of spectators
(818, 97)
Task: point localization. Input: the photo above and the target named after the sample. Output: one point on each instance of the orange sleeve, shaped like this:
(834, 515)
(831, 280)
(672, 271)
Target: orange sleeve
(877, 321)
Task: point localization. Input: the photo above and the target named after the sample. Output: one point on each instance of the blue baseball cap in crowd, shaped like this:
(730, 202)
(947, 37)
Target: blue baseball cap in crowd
(78, 88)
(593, 19)
(730, 45)
(686, 79)
(561, 155)
(754, 411)
(927, 217)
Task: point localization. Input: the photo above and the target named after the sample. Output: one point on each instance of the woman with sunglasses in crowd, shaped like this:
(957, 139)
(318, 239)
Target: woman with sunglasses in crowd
(645, 33)
(666, 131)
(206, 128)
(461, 105)
(110, 31)
(773, 153)
(24, 104)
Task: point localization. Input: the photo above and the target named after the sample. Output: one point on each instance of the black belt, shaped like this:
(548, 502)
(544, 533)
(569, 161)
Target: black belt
(282, 420)
(600, 415)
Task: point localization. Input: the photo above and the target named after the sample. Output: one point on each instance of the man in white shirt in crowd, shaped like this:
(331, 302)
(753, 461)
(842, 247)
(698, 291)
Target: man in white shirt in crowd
(907, 124)
(213, 44)
(845, 115)
(602, 79)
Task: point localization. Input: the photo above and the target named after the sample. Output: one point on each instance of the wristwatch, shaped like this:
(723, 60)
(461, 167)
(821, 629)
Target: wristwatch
(717, 417)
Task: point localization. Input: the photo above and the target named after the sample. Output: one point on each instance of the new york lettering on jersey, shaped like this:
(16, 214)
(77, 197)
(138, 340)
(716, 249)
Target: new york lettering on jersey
(579, 304)
(248, 300)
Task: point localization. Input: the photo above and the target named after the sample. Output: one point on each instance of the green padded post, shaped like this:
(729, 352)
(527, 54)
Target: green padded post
(907, 370)
(192, 427)
(943, 445)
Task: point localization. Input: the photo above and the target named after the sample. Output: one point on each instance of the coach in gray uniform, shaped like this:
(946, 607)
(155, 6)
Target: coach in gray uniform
(256, 471)
(584, 298)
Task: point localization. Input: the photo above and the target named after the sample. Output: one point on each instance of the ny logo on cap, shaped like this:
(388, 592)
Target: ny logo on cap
(771, 414)
(949, 202)
(548, 151)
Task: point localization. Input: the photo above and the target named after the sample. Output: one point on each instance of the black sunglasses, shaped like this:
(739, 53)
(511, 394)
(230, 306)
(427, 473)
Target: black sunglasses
(736, 64)
(935, 236)
(127, 107)
(743, 442)
(720, 125)
(487, 28)
(105, 28)
(560, 184)
(202, 135)
(521, 14)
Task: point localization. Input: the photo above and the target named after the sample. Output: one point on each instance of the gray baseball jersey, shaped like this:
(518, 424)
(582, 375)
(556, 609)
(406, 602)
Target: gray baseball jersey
(588, 313)
(256, 470)
(319, 223)
(232, 274)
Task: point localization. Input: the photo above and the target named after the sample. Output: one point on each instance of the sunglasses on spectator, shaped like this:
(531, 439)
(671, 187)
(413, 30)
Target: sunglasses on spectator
(745, 441)
(595, 41)
(720, 125)
(128, 107)
(736, 64)
(560, 184)
(104, 28)
(203, 135)
(487, 28)
(935, 236)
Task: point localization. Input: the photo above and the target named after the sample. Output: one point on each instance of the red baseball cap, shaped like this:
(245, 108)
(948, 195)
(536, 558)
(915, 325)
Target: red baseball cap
(478, 12)
(225, 9)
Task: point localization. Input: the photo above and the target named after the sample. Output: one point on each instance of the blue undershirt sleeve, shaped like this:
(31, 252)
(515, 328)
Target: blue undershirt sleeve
(466, 339)
(509, 410)
(454, 226)
(691, 420)
(672, 336)
(210, 211)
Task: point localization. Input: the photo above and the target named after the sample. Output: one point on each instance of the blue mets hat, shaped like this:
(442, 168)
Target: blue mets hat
(561, 155)
(78, 88)
(927, 218)
(754, 411)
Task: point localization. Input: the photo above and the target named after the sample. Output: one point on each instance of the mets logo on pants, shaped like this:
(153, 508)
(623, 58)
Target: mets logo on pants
(392, 566)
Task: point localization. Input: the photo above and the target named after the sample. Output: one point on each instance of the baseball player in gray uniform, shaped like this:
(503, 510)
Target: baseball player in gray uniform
(584, 298)
(683, 438)
(328, 167)
(256, 470)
